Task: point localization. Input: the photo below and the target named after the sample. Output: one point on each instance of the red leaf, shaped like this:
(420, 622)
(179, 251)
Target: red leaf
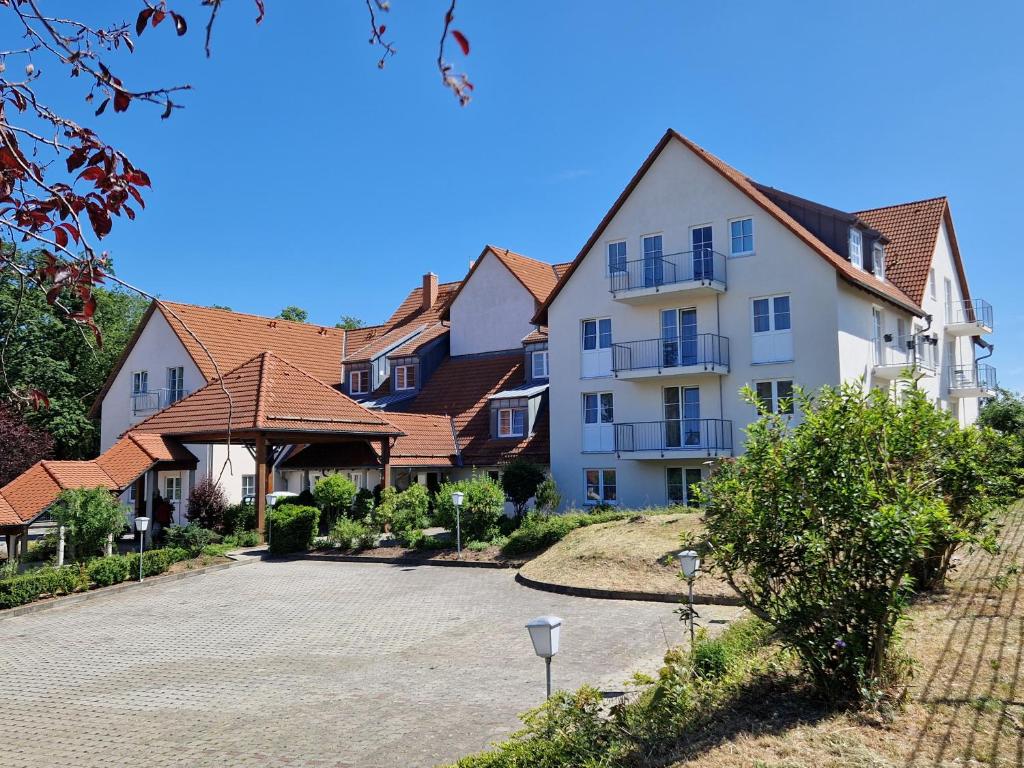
(39, 398)
(72, 230)
(158, 16)
(135, 193)
(139, 177)
(77, 158)
(92, 173)
(462, 41)
(121, 101)
(130, 212)
(140, 22)
(60, 237)
(102, 107)
(179, 23)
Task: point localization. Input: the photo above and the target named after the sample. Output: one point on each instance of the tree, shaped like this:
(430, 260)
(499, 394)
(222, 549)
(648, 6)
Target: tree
(61, 185)
(225, 307)
(89, 516)
(207, 504)
(23, 445)
(334, 495)
(349, 322)
(482, 507)
(547, 499)
(520, 481)
(1004, 412)
(293, 313)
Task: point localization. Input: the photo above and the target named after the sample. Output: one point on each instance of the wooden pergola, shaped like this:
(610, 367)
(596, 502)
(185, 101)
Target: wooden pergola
(267, 403)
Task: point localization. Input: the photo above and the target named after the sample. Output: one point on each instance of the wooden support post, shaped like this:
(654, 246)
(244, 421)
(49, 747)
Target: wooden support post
(24, 542)
(140, 495)
(261, 484)
(150, 491)
(11, 543)
(385, 463)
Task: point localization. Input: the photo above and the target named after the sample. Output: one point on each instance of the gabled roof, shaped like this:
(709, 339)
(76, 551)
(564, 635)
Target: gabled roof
(913, 230)
(267, 393)
(537, 277)
(412, 310)
(860, 278)
(420, 340)
(385, 343)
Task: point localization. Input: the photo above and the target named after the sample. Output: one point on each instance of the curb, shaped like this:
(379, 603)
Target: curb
(616, 594)
(402, 561)
(81, 597)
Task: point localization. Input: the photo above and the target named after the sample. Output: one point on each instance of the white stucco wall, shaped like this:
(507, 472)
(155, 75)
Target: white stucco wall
(492, 311)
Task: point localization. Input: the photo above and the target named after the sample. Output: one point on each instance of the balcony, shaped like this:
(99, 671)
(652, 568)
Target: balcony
(155, 400)
(685, 439)
(673, 356)
(894, 355)
(978, 380)
(969, 318)
(691, 272)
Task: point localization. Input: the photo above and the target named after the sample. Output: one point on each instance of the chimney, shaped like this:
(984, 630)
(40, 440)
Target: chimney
(429, 290)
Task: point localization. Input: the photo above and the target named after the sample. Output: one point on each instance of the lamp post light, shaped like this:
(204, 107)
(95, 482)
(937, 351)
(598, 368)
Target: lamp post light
(689, 564)
(457, 498)
(544, 632)
(141, 525)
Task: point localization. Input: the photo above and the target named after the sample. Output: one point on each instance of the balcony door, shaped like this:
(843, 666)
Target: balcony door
(700, 239)
(682, 417)
(598, 422)
(175, 384)
(654, 264)
(678, 337)
(596, 340)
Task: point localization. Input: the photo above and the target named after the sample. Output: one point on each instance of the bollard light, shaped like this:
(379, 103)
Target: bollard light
(544, 634)
(457, 498)
(689, 564)
(141, 525)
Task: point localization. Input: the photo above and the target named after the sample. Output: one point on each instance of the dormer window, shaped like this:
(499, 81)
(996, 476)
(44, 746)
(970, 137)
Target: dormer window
(405, 377)
(359, 382)
(856, 248)
(878, 260)
(511, 422)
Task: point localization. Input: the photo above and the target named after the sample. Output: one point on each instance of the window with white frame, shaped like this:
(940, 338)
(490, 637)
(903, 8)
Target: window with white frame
(616, 257)
(539, 364)
(357, 478)
(172, 488)
(175, 383)
(511, 422)
(654, 263)
(248, 485)
(947, 295)
(681, 482)
(600, 487)
(775, 396)
(140, 382)
(878, 260)
(598, 422)
(405, 377)
(741, 237)
(876, 336)
(772, 329)
(856, 248)
(596, 341)
(359, 382)
(931, 283)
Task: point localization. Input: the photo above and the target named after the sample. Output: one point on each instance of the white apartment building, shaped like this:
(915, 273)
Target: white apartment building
(699, 281)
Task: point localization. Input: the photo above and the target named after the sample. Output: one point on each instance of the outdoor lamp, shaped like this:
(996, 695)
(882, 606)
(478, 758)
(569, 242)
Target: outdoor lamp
(689, 564)
(544, 631)
(457, 497)
(141, 525)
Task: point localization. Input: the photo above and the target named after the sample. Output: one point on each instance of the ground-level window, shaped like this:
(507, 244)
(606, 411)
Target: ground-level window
(600, 486)
(172, 488)
(511, 422)
(776, 395)
(405, 377)
(248, 485)
(680, 482)
(539, 362)
(359, 382)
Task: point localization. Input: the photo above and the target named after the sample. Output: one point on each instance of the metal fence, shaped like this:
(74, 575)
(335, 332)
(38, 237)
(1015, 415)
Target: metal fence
(696, 435)
(701, 266)
(704, 349)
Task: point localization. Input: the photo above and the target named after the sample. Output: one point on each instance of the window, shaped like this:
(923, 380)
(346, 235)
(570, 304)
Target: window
(772, 329)
(359, 382)
(405, 377)
(701, 240)
(947, 295)
(248, 485)
(598, 422)
(654, 264)
(876, 335)
(741, 237)
(175, 384)
(616, 257)
(539, 364)
(600, 486)
(140, 382)
(682, 417)
(680, 481)
(878, 260)
(597, 347)
(775, 396)
(511, 422)
(172, 488)
(494, 475)
(357, 478)
(856, 248)
(678, 337)
(931, 283)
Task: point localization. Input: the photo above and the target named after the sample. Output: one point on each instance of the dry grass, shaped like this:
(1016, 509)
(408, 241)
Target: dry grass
(967, 698)
(634, 555)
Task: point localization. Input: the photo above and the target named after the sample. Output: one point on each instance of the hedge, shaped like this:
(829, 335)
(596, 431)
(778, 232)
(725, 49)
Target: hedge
(539, 533)
(291, 528)
(108, 570)
(29, 587)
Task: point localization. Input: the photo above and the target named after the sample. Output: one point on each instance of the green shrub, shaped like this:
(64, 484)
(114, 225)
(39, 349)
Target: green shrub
(108, 570)
(247, 538)
(520, 482)
(478, 546)
(190, 537)
(240, 517)
(30, 586)
(334, 495)
(411, 537)
(429, 543)
(215, 550)
(89, 516)
(402, 511)
(353, 535)
(540, 532)
(154, 561)
(362, 507)
(177, 554)
(291, 528)
(482, 507)
(547, 500)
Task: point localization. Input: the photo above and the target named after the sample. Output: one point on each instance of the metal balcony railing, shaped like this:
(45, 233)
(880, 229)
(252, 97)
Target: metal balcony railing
(978, 376)
(698, 435)
(701, 266)
(155, 399)
(705, 349)
(909, 351)
(973, 311)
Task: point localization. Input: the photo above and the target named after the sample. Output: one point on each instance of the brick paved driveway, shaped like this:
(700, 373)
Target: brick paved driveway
(302, 664)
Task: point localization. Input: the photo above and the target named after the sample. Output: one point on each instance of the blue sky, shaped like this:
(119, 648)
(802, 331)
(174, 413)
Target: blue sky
(300, 174)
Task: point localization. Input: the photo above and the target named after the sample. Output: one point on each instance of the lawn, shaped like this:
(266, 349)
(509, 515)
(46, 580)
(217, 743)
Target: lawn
(636, 555)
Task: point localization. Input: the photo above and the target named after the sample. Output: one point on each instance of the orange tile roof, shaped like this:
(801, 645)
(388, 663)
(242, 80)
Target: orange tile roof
(537, 277)
(846, 270)
(267, 393)
(412, 310)
(536, 335)
(7, 514)
(419, 341)
(384, 342)
(460, 387)
(912, 229)
(562, 268)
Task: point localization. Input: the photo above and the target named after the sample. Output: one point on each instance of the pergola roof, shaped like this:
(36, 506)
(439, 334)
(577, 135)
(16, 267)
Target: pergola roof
(267, 394)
